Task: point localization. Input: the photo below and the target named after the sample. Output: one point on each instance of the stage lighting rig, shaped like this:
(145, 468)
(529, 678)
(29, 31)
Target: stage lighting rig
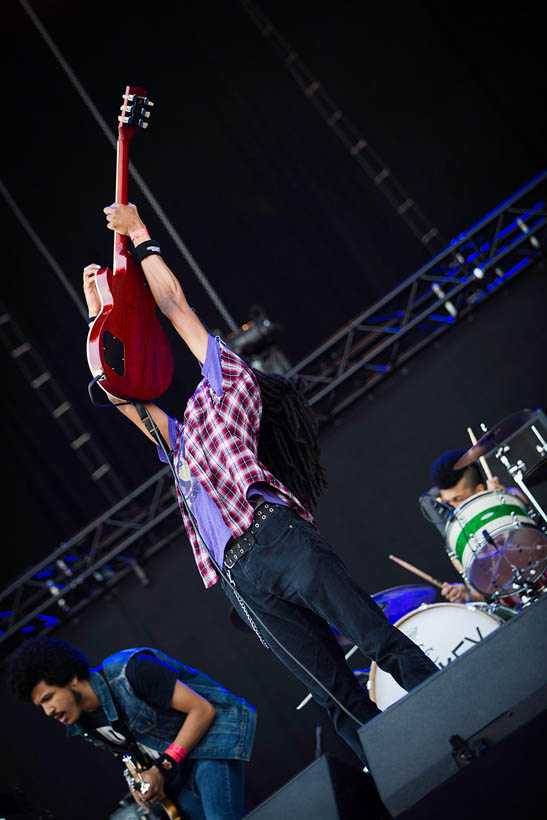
(257, 342)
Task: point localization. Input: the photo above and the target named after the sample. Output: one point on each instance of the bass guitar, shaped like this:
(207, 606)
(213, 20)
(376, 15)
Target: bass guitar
(128, 351)
(135, 781)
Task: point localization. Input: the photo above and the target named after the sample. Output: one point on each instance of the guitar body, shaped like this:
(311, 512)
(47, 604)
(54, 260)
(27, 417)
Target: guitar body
(126, 342)
(128, 351)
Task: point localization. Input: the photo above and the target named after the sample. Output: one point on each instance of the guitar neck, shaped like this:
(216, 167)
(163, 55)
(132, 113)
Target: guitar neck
(122, 187)
(135, 114)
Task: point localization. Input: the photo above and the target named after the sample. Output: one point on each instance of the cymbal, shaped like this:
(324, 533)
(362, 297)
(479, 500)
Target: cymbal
(494, 437)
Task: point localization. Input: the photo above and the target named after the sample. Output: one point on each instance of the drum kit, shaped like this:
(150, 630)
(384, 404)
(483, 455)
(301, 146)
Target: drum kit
(499, 538)
(500, 542)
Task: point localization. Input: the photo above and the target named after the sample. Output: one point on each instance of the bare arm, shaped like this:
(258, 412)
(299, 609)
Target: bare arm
(164, 285)
(199, 716)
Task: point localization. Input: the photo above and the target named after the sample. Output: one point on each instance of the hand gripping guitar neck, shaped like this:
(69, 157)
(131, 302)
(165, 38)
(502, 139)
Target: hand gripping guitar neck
(135, 781)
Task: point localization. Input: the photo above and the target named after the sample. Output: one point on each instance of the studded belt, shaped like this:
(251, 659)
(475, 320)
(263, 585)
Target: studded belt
(243, 544)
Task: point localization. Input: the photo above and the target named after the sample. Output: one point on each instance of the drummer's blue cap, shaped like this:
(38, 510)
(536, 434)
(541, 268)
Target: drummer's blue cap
(443, 474)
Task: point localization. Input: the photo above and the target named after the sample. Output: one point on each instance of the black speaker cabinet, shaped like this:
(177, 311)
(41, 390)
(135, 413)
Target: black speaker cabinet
(327, 789)
(478, 726)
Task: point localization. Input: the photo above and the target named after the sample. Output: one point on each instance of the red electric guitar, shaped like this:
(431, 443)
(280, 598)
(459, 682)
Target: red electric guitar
(127, 349)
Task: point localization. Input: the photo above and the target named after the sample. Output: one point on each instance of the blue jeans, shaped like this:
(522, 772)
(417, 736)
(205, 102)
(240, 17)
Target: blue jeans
(213, 790)
(298, 586)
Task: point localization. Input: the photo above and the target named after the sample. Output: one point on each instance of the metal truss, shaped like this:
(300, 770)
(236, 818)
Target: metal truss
(92, 561)
(475, 265)
(351, 138)
(52, 396)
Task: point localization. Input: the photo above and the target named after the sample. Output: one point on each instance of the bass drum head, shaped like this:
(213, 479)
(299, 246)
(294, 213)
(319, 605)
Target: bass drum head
(443, 632)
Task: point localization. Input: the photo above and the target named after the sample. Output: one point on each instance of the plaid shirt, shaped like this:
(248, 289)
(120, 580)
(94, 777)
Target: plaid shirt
(220, 446)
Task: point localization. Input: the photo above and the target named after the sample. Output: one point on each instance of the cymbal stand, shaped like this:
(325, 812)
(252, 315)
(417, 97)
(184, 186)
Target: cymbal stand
(516, 471)
(522, 586)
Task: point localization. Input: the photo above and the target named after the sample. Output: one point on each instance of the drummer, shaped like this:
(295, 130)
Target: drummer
(451, 488)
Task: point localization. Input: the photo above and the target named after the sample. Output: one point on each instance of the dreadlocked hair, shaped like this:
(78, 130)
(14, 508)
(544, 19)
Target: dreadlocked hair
(289, 444)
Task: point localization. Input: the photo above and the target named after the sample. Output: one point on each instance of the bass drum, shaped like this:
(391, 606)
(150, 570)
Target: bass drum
(443, 632)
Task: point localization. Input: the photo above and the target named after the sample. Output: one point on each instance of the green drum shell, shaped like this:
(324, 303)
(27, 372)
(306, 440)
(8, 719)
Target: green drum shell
(473, 517)
(496, 541)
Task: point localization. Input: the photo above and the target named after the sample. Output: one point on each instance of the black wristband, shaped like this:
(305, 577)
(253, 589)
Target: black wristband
(148, 248)
(165, 763)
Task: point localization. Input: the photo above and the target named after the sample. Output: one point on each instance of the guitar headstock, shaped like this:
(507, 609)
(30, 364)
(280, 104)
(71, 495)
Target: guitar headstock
(136, 109)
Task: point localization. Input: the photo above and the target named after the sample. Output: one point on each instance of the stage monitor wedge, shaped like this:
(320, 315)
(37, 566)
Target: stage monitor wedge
(327, 789)
(455, 718)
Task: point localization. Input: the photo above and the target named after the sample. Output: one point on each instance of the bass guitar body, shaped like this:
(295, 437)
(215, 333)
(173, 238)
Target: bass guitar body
(128, 351)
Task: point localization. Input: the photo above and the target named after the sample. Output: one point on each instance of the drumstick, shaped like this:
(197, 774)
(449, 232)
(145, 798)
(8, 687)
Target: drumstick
(482, 459)
(417, 571)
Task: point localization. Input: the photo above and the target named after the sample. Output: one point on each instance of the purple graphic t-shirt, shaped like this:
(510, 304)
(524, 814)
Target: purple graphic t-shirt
(211, 525)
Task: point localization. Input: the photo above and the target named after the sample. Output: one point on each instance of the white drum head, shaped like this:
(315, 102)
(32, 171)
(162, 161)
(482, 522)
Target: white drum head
(443, 632)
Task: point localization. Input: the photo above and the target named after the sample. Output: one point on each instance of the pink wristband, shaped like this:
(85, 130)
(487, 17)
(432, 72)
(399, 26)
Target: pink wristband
(139, 232)
(175, 751)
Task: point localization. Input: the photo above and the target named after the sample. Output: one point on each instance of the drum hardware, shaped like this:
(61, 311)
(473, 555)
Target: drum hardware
(494, 608)
(516, 471)
(536, 474)
(541, 448)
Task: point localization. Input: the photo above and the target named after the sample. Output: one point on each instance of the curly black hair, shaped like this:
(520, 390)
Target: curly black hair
(444, 476)
(41, 658)
(289, 443)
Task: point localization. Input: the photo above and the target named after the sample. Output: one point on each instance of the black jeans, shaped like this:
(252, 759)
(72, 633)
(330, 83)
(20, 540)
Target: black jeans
(297, 586)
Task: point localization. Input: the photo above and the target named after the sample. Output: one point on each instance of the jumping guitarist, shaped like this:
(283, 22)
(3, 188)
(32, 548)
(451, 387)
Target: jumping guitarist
(186, 736)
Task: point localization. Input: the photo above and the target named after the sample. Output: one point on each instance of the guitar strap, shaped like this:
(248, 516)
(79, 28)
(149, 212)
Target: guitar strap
(132, 744)
(152, 428)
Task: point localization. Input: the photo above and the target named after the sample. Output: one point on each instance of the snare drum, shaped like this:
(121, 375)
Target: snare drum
(496, 541)
(443, 632)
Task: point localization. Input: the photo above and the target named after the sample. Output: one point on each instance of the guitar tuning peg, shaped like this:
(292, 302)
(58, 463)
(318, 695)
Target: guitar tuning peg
(128, 97)
(146, 113)
(123, 119)
(142, 124)
(126, 108)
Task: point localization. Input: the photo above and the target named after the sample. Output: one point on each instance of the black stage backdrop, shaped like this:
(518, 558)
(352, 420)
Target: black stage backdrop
(378, 456)
(271, 205)
(276, 213)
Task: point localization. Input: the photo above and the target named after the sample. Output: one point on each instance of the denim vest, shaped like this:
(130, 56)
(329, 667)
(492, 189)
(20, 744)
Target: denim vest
(230, 735)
